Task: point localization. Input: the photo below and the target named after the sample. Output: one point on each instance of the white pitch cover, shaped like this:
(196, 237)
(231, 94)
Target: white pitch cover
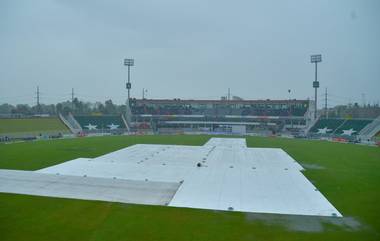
(223, 174)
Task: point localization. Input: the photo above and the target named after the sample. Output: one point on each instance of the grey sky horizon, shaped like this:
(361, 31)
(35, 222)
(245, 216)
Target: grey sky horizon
(189, 49)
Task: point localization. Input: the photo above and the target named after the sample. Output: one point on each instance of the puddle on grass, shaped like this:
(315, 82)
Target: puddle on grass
(312, 166)
(303, 223)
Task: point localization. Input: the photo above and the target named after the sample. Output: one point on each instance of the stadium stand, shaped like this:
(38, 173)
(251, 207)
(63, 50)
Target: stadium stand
(216, 115)
(101, 123)
(330, 125)
(355, 125)
(371, 130)
(339, 127)
(71, 123)
(220, 107)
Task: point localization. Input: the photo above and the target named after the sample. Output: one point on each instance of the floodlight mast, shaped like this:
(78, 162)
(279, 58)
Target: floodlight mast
(129, 63)
(316, 58)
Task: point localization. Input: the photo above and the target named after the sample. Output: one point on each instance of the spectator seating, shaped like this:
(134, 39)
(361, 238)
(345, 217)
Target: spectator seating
(355, 125)
(100, 123)
(347, 127)
(330, 124)
(178, 108)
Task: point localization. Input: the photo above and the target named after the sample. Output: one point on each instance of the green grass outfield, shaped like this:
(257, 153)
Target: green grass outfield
(31, 126)
(348, 175)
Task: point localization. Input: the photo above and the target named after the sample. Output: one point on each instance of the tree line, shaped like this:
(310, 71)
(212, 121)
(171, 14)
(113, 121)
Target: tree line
(76, 107)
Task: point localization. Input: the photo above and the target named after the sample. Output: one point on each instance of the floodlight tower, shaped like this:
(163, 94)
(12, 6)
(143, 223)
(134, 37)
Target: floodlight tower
(129, 63)
(316, 58)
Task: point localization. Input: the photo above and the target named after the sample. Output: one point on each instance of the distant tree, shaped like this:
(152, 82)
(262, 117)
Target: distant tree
(49, 109)
(77, 106)
(109, 107)
(87, 107)
(99, 107)
(34, 109)
(6, 108)
(66, 110)
(121, 109)
(59, 108)
(22, 109)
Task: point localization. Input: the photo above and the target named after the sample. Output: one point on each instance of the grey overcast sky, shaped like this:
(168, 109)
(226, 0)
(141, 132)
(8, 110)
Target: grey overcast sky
(189, 49)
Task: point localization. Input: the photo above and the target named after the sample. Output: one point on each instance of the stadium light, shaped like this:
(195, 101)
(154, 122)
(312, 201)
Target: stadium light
(129, 63)
(315, 58)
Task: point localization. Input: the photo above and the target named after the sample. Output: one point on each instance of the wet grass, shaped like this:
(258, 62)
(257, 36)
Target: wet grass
(350, 179)
(31, 126)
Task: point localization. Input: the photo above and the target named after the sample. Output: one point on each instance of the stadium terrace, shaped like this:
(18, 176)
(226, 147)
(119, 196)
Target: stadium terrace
(230, 116)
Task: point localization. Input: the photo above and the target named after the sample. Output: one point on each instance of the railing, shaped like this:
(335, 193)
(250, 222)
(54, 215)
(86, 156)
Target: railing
(344, 122)
(66, 122)
(371, 129)
(71, 123)
(311, 124)
(125, 122)
(74, 122)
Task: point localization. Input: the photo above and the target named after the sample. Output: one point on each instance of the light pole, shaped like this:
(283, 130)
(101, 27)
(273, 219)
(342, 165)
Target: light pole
(316, 58)
(290, 108)
(129, 63)
(144, 91)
